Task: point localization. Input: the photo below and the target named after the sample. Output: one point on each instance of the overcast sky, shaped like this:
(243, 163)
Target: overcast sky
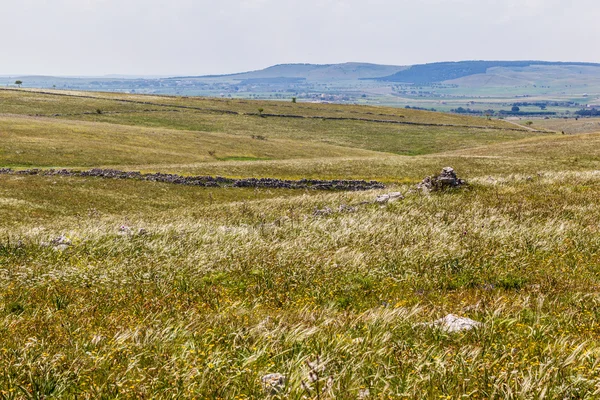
(175, 37)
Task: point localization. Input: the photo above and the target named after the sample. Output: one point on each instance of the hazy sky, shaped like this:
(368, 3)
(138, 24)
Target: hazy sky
(174, 37)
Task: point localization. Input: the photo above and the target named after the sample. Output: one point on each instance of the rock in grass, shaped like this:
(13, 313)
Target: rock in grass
(61, 240)
(60, 243)
(124, 230)
(273, 383)
(324, 212)
(389, 198)
(447, 179)
(451, 323)
(347, 209)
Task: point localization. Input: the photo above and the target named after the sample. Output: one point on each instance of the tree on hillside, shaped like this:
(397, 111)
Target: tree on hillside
(18, 83)
(516, 109)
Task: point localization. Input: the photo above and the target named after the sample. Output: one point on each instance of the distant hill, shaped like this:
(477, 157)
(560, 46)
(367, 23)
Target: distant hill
(315, 72)
(447, 71)
(557, 87)
(417, 74)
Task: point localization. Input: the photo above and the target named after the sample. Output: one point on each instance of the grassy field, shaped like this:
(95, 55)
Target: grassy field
(459, 132)
(569, 126)
(44, 142)
(169, 291)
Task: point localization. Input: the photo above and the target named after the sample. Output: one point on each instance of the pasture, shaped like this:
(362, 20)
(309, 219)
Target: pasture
(133, 289)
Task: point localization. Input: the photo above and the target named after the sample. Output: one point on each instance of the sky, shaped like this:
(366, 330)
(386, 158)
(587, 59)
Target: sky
(196, 37)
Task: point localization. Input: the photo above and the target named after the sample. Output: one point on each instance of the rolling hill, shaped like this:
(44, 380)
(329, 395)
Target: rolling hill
(447, 71)
(415, 74)
(147, 289)
(316, 72)
(446, 86)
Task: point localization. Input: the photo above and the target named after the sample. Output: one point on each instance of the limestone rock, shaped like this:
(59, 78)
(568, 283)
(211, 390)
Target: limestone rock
(347, 209)
(61, 240)
(451, 323)
(273, 383)
(59, 243)
(324, 212)
(389, 198)
(447, 179)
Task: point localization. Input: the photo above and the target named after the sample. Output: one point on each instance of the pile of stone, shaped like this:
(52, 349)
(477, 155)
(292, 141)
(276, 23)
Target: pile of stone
(447, 179)
(208, 181)
(451, 324)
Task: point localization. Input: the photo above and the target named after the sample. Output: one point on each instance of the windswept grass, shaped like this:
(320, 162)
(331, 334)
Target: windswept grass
(167, 291)
(211, 297)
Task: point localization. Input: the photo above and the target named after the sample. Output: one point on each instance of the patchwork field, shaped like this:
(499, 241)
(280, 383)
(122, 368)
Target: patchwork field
(133, 289)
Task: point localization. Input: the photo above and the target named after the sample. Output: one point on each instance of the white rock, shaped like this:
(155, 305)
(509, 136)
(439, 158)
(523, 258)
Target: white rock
(273, 383)
(452, 323)
(124, 230)
(323, 212)
(60, 243)
(389, 198)
(61, 247)
(61, 240)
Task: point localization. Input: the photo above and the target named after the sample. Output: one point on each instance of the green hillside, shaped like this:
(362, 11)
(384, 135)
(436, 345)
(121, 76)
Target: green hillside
(230, 129)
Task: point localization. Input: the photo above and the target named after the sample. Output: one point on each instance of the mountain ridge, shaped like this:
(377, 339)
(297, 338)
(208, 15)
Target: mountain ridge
(349, 70)
(416, 74)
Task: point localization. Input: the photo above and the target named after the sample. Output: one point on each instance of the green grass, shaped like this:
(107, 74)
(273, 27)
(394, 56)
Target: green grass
(569, 126)
(526, 157)
(51, 102)
(208, 289)
(381, 137)
(44, 142)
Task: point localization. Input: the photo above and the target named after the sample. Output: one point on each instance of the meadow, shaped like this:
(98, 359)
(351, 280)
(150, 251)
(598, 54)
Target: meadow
(134, 289)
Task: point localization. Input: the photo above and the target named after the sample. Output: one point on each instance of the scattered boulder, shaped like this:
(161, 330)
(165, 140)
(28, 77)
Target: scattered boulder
(347, 209)
(389, 198)
(451, 323)
(61, 240)
(323, 212)
(61, 243)
(124, 230)
(273, 383)
(447, 179)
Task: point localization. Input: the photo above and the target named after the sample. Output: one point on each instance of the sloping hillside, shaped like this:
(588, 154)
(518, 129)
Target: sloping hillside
(249, 124)
(48, 142)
